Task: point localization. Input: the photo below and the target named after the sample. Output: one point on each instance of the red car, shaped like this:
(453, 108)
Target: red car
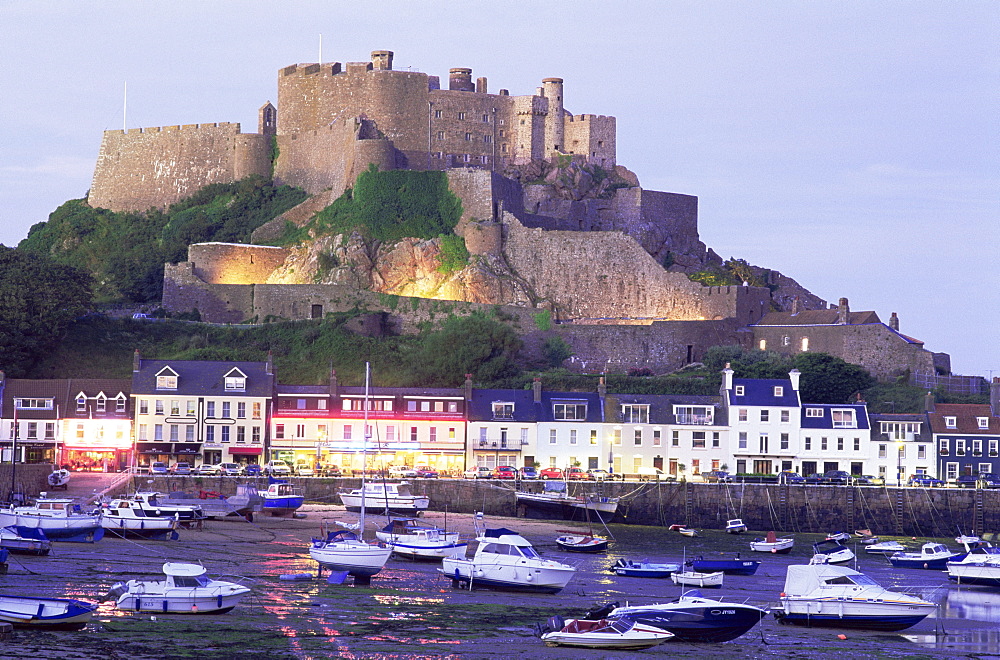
(551, 473)
(504, 472)
(575, 473)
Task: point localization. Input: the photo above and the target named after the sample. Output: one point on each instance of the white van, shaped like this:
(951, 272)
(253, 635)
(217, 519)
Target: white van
(653, 474)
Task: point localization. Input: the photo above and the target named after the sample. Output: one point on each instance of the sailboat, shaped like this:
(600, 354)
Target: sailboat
(343, 551)
(573, 541)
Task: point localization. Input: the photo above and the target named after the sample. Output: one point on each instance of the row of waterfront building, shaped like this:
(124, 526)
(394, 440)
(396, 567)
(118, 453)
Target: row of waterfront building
(215, 412)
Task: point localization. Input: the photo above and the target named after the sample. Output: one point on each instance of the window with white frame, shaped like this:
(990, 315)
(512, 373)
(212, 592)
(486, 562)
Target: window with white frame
(33, 404)
(743, 440)
(572, 436)
(983, 422)
(433, 434)
(697, 415)
(951, 422)
(807, 443)
(81, 404)
(985, 467)
(189, 433)
(951, 471)
(857, 444)
(843, 418)
(656, 437)
(236, 383)
(166, 381)
(763, 443)
(210, 409)
(593, 436)
(143, 431)
(698, 440)
(143, 407)
(840, 444)
(226, 408)
(921, 451)
(943, 447)
(569, 412)
(784, 442)
(552, 436)
(32, 430)
(241, 410)
(786, 416)
(675, 438)
(900, 430)
(959, 447)
(977, 447)
(814, 412)
(779, 390)
(159, 407)
(637, 433)
(743, 414)
(765, 416)
(739, 390)
(635, 413)
(715, 438)
(994, 445)
(225, 433)
(882, 451)
(822, 444)
(616, 436)
(175, 408)
(413, 434)
(279, 431)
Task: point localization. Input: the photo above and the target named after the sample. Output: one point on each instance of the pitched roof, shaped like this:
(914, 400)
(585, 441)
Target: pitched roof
(203, 377)
(817, 317)
(760, 392)
(966, 418)
(826, 420)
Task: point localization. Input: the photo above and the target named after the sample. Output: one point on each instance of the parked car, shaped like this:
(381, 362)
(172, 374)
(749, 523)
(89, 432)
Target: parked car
(814, 478)
(868, 480)
(208, 469)
(839, 477)
(789, 477)
(599, 474)
(478, 472)
(277, 469)
(551, 473)
(426, 472)
(578, 474)
(653, 474)
(504, 472)
(402, 472)
(252, 469)
(529, 472)
(181, 468)
(989, 480)
(716, 476)
(331, 471)
(304, 469)
(158, 467)
(925, 481)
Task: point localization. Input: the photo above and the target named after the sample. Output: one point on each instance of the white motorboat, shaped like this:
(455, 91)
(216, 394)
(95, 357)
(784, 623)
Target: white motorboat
(59, 479)
(696, 579)
(735, 526)
(245, 502)
(980, 565)
(24, 541)
(932, 556)
(602, 634)
(691, 618)
(381, 496)
(885, 548)
(629, 568)
(771, 543)
(48, 613)
(281, 498)
(505, 560)
(819, 594)
(343, 551)
(834, 551)
(414, 541)
(60, 520)
(123, 517)
(185, 589)
(154, 505)
(838, 536)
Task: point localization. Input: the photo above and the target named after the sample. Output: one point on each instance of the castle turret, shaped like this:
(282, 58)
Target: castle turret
(460, 80)
(894, 322)
(267, 119)
(843, 312)
(555, 129)
(382, 60)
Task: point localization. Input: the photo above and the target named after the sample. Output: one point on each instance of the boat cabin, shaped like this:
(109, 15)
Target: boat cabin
(505, 542)
(283, 490)
(185, 575)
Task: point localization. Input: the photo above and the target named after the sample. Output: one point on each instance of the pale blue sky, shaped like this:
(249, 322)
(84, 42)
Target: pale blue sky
(850, 145)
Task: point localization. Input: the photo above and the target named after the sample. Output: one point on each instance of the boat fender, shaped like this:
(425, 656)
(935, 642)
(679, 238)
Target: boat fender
(529, 577)
(774, 551)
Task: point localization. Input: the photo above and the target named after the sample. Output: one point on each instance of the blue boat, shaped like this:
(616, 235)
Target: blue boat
(932, 556)
(281, 498)
(734, 566)
(629, 568)
(53, 613)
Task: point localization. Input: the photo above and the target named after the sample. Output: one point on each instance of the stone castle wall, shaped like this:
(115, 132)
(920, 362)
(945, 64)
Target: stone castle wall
(232, 263)
(147, 168)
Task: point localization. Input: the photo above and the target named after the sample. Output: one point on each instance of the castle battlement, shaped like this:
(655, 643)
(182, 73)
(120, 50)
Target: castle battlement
(233, 127)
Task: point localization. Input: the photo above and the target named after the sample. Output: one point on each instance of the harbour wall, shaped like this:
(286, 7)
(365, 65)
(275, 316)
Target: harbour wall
(922, 512)
(32, 478)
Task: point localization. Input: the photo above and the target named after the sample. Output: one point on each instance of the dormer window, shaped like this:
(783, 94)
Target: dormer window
(81, 403)
(951, 422)
(983, 422)
(569, 412)
(120, 403)
(814, 412)
(503, 410)
(236, 381)
(102, 403)
(779, 391)
(843, 419)
(166, 379)
(740, 390)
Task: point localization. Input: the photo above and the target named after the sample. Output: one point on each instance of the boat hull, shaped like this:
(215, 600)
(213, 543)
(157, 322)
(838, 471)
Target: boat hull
(353, 557)
(853, 617)
(727, 566)
(49, 613)
(25, 541)
(628, 568)
(636, 637)
(985, 575)
(402, 505)
(939, 564)
(779, 547)
(582, 544)
(543, 579)
(698, 623)
(180, 603)
(428, 552)
(700, 580)
(154, 528)
(539, 506)
(281, 506)
(73, 529)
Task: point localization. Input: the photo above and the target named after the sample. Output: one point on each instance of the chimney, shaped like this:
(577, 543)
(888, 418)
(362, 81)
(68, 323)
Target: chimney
(481, 85)
(929, 402)
(602, 389)
(994, 396)
(794, 376)
(843, 312)
(894, 322)
(334, 384)
(460, 80)
(727, 379)
(536, 387)
(468, 387)
(135, 361)
(795, 305)
(269, 366)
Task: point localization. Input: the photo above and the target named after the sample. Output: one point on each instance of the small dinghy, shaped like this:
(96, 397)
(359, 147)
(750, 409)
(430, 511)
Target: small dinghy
(185, 589)
(771, 543)
(24, 541)
(601, 634)
(643, 569)
(885, 548)
(573, 542)
(54, 613)
(687, 532)
(424, 542)
(59, 479)
(835, 552)
(838, 536)
(696, 579)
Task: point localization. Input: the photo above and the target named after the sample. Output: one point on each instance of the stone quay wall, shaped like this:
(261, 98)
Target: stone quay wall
(920, 512)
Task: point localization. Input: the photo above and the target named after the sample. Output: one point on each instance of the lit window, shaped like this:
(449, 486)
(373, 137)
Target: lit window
(236, 384)
(569, 412)
(779, 391)
(166, 382)
(843, 419)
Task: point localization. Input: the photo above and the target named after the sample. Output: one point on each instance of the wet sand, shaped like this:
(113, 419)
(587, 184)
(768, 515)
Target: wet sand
(411, 611)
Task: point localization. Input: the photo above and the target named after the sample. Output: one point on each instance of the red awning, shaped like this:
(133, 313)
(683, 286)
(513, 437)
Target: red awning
(246, 451)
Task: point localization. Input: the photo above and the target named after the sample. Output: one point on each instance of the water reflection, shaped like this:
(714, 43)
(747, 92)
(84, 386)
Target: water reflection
(973, 603)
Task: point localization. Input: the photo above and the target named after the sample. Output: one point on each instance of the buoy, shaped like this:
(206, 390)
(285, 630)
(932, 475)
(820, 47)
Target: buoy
(841, 636)
(774, 550)
(194, 608)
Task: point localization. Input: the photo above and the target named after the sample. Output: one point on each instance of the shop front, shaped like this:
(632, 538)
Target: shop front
(242, 455)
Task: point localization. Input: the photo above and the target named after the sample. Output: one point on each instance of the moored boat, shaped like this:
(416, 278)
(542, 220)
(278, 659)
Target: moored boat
(620, 634)
(574, 542)
(983, 570)
(555, 503)
(245, 502)
(409, 539)
(771, 543)
(820, 594)
(735, 526)
(644, 569)
(691, 618)
(932, 556)
(281, 498)
(735, 566)
(344, 551)
(51, 613)
(61, 519)
(833, 551)
(838, 536)
(24, 541)
(505, 560)
(885, 548)
(185, 589)
(700, 580)
(388, 497)
(122, 517)
(155, 505)
(686, 531)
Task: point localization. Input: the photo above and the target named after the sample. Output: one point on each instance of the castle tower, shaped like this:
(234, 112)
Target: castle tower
(460, 80)
(267, 119)
(555, 129)
(382, 60)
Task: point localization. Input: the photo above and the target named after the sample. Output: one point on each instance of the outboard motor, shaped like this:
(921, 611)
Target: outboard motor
(600, 611)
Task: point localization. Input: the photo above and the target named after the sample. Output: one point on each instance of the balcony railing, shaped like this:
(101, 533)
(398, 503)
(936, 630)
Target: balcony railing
(697, 420)
(513, 445)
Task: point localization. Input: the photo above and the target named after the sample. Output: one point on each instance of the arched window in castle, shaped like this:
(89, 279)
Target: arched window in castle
(763, 344)
(805, 343)
(786, 340)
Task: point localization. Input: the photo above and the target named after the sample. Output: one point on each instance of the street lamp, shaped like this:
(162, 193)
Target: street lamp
(320, 441)
(899, 462)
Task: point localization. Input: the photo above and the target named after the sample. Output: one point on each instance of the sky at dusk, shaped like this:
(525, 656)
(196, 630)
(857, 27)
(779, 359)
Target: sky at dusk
(853, 146)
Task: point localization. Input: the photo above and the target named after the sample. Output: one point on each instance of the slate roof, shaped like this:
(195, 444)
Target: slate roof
(966, 422)
(480, 409)
(826, 421)
(203, 378)
(817, 317)
(661, 406)
(760, 392)
(63, 392)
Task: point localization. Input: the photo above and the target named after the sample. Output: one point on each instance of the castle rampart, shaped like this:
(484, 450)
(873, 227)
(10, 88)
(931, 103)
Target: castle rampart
(234, 263)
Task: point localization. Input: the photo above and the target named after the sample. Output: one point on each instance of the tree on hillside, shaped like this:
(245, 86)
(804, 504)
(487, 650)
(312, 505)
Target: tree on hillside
(828, 379)
(38, 299)
(475, 344)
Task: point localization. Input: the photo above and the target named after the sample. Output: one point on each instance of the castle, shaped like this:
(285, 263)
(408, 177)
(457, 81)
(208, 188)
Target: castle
(543, 227)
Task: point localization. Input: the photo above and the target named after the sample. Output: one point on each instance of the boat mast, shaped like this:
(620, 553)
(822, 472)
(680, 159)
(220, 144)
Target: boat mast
(364, 450)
